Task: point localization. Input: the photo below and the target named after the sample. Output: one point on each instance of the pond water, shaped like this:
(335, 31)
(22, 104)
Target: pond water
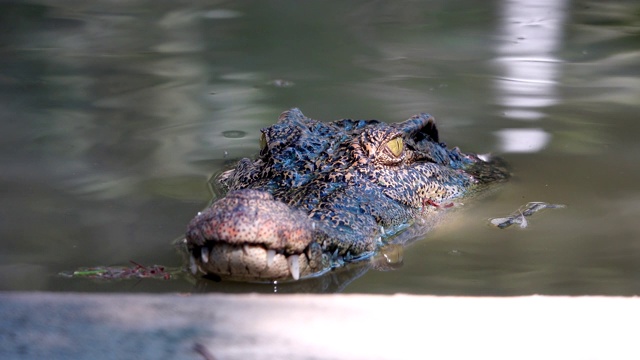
(113, 118)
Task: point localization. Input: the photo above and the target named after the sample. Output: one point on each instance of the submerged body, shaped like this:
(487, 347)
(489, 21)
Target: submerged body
(323, 194)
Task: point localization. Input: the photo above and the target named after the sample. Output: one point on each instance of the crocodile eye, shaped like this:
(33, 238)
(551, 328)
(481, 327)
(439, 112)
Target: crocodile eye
(263, 145)
(395, 146)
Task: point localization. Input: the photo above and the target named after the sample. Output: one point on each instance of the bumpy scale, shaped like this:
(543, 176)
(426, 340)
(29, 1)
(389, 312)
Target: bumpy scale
(322, 194)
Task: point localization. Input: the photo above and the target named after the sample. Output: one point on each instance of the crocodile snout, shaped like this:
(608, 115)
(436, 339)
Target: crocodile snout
(249, 234)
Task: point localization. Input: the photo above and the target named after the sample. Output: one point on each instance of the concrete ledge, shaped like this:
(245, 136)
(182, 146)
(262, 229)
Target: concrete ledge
(115, 326)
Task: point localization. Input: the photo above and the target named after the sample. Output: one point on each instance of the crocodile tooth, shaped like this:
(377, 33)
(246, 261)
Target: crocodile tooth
(381, 229)
(192, 264)
(204, 252)
(270, 255)
(245, 249)
(294, 266)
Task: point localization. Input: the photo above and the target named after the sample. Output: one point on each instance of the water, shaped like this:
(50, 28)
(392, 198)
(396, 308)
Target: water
(112, 119)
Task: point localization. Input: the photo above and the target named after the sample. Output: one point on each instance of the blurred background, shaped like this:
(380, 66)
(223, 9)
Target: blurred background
(114, 115)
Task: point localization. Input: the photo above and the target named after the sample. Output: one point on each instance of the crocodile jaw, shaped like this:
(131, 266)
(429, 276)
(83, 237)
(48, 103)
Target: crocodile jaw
(248, 235)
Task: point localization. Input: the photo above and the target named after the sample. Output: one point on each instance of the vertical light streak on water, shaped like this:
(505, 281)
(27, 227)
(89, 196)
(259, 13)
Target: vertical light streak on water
(530, 33)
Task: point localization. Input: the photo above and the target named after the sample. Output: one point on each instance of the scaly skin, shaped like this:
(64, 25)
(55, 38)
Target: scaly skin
(324, 194)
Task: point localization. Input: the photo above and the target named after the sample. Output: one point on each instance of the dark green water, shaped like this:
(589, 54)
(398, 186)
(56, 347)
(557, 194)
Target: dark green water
(113, 117)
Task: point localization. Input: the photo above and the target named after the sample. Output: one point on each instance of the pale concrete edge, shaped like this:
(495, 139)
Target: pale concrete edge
(149, 326)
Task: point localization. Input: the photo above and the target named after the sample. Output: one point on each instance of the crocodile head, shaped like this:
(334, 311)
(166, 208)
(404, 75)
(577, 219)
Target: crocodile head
(320, 195)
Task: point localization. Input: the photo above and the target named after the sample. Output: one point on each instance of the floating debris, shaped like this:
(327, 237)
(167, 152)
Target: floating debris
(519, 216)
(135, 271)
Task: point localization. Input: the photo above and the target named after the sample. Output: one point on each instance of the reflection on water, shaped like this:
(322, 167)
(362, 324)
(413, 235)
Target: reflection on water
(112, 120)
(522, 140)
(530, 34)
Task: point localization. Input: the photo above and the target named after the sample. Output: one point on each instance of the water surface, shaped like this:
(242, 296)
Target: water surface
(113, 118)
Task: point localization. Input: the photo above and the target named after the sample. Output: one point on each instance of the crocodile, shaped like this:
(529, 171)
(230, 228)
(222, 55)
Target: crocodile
(324, 194)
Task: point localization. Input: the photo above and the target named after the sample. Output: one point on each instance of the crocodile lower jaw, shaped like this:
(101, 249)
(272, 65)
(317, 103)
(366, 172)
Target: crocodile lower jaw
(251, 263)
